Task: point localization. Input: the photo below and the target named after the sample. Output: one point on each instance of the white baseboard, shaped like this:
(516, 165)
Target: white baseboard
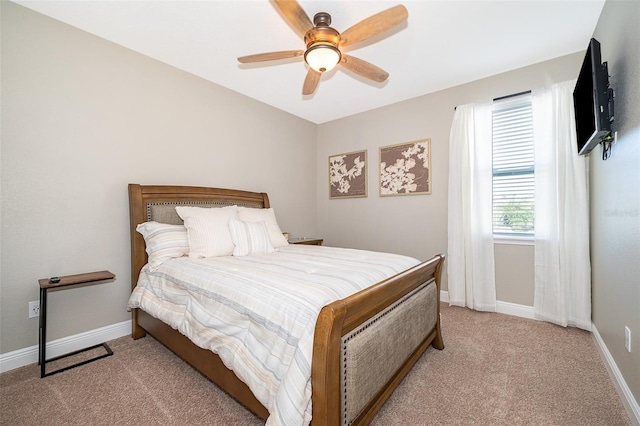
(507, 308)
(26, 356)
(629, 402)
(514, 309)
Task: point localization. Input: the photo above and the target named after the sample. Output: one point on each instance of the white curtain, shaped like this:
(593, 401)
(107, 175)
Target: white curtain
(562, 266)
(470, 266)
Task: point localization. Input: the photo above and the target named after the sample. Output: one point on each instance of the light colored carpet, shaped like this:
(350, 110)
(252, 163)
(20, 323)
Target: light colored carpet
(495, 370)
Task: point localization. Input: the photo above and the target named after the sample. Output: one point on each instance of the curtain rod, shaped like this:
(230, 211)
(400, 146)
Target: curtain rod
(506, 97)
(512, 96)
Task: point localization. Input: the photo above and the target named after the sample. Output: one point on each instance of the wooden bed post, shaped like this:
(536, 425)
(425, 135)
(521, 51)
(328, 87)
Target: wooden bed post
(138, 256)
(438, 343)
(325, 368)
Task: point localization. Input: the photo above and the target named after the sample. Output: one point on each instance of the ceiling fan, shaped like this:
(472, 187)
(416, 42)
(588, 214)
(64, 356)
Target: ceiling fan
(325, 45)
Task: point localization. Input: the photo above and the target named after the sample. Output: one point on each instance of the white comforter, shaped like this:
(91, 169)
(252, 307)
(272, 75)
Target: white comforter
(258, 313)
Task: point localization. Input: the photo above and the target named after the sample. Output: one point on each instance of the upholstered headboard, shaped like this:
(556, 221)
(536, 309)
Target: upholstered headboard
(158, 202)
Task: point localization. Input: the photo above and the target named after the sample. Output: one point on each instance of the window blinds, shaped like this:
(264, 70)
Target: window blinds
(513, 181)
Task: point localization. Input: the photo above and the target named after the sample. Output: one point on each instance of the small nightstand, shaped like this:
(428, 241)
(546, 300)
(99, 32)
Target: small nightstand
(309, 241)
(47, 284)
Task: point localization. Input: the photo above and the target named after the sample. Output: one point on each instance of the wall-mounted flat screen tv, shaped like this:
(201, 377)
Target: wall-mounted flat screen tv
(593, 100)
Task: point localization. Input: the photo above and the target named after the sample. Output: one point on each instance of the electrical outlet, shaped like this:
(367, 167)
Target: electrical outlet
(34, 309)
(627, 338)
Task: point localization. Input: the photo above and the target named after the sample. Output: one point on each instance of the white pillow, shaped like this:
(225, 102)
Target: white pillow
(208, 230)
(268, 216)
(163, 241)
(250, 237)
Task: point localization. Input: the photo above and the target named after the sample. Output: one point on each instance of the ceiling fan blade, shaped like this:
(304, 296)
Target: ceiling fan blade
(295, 16)
(364, 68)
(374, 25)
(311, 82)
(270, 56)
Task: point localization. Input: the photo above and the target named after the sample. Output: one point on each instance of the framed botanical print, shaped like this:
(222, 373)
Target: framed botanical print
(405, 168)
(348, 175)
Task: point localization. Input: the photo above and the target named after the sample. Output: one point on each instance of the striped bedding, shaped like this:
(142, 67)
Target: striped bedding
(258, 312)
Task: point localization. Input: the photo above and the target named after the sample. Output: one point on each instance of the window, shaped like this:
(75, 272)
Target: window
(513, 181)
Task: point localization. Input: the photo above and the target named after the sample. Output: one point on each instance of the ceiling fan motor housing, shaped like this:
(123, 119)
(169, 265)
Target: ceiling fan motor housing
(322, 36)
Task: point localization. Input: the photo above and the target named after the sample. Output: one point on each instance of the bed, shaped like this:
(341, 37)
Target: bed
(363, 344)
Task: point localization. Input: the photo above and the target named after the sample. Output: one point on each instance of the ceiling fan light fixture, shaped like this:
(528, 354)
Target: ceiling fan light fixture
(322, 57)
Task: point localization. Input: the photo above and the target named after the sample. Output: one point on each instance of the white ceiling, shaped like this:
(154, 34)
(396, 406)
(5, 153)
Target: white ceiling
(444, 43)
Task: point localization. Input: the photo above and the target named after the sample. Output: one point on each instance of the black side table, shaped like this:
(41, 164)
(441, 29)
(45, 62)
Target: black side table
(46, 284)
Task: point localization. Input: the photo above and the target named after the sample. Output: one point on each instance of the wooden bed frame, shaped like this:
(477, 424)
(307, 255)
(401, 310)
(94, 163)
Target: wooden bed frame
(335, 320)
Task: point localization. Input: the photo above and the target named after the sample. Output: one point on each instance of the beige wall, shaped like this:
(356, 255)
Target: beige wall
(515, 273)
(416, 225)
(81, 118)
(615, 196)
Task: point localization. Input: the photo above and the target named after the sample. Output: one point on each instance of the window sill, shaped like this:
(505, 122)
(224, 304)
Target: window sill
(514, 240)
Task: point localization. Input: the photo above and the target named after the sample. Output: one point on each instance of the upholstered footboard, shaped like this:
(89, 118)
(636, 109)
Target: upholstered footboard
(366, 344)
(374, 351)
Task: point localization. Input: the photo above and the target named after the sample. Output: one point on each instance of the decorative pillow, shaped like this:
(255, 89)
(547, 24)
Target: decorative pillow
(250, 237)
(208, 230)
(268, 216)
(163, 241)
